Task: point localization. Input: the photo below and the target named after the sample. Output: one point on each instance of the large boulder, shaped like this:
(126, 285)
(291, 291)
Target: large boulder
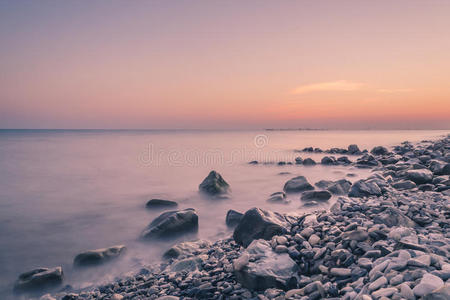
(315, 196)
(328, 160)
(363, 188)
(233, 217)
(98, 256)
(260, 268)
(297, 184)
(214, 184)
(379, 150)
(38, 279)
(172, 223)
(259, 224)
(160, 203)
(420, 176)
(308, 162)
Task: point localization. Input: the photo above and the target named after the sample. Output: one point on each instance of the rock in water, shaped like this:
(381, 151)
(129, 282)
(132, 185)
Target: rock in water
(160, 203)
(379, 150)
(266, 269)
(184, 249)
(40, 278)
(353, 149)
(172, 223)
(309, 162)
(420, 176)
(233, 218)
(316, 195)
(98, 256)
(363, 188)
(259, 224)
(214, 184)
(297, 184)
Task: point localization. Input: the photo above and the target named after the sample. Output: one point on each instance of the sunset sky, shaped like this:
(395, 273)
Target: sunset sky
(225, 64)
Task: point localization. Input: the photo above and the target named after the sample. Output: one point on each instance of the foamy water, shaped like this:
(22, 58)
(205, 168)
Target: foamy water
(63, 192)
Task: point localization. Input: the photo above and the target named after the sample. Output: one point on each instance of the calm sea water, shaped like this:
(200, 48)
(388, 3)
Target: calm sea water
(62, 192)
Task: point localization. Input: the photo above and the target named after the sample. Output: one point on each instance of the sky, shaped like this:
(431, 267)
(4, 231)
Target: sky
(225, 64)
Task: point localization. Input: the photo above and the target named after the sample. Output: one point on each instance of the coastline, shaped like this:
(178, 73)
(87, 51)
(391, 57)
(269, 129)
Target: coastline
(390, 239)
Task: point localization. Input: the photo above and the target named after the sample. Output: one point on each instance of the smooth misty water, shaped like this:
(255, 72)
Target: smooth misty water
(62, 192)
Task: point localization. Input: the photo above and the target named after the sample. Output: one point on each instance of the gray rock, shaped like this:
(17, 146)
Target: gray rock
(98, 256)
(315, 196)
(420, 176)
(379, 283)
(309, 162)
(186, 248)
(188, 264)
(363, 188)
(214, 184)
(393, 217)
(259, 224)
(328, 160)
(353, 149)
(427, 284)
(266, 269)
(297, 184)
(340, 272)
(442, 293)
(160, 203)
(172, 223)
(404, 185)
(278, 197)
(38, 279)
(386, 292)
(233, 217)
(379, 150)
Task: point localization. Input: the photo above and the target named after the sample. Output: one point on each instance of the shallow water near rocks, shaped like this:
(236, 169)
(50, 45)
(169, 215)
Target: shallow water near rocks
(64, 192)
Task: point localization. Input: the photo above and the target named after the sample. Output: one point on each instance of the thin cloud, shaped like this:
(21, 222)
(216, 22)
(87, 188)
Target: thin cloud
(340, 85)
(394, 91)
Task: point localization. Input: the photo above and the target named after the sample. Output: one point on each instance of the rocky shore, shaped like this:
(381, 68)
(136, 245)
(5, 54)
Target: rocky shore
(386, 237)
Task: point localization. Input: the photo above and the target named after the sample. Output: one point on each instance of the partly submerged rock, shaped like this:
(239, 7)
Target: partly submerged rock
(379, 150)
(315, 196)
(233, 217)
(308, 162)
(278, 197)
(172, 223)
(353, 149)
(214, 184)
(39, 279)
(259, 224)
(261, 268)
(98, 256)
(186, 248)
(297, 184)
(160, 203)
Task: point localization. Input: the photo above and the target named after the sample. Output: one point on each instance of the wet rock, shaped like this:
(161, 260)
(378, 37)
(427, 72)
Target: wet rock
(309, 162)
(297, 184)
(172, 223)
(266, 269)
(353, 149)
(366, 161)
(298, 160)
(379, 150)
(186, 248)
(233, 217)
(38, 279)
(328, 160)
(420, 176)
(363, 188)
(259, 224)
(278, 197)
(160, 203)
(98, 256)
(214, 184)
(404, 185)
(315, 196)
